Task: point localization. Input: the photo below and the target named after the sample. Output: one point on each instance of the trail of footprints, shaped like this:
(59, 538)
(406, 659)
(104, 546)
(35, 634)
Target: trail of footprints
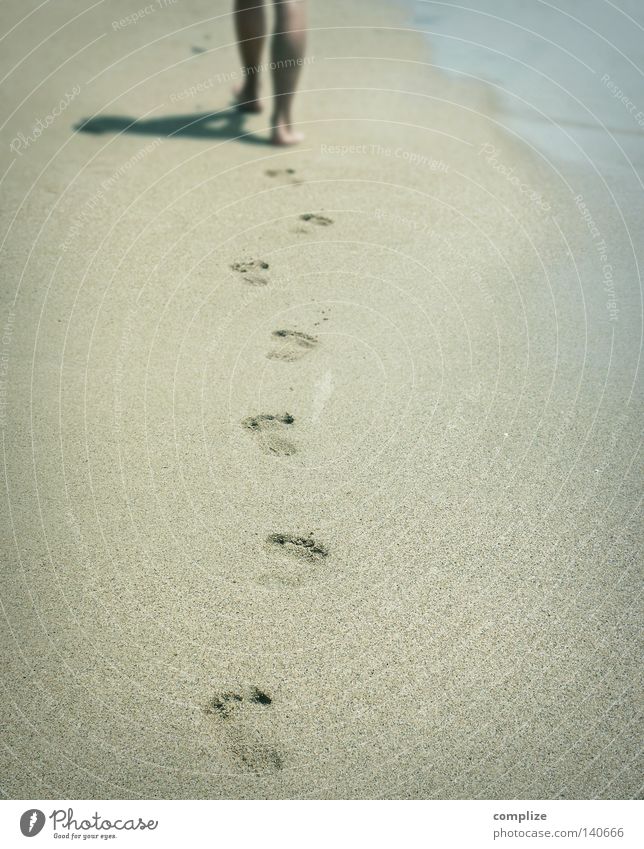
(272, 434)
(253, 271)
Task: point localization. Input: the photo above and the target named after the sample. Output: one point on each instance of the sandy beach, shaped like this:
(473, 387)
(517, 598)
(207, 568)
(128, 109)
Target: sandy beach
(321, 464)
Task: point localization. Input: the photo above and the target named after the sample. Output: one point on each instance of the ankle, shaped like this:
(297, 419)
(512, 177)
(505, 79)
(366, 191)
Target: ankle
(279, 118)
(250, 85)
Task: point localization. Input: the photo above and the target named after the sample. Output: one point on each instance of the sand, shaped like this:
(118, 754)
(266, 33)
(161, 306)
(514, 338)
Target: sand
(321, 468)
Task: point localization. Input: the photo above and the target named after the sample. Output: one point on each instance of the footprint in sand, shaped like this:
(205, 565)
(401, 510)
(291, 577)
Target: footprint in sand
(224, 705)
(293, 345)
(314, 218)
(304, 548)
(287, 552)
(247, 748)
(258, 758)
(286, 175)
(269, 431)
(251, 271)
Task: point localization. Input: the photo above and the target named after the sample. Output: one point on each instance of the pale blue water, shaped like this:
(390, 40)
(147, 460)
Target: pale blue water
(548, 63)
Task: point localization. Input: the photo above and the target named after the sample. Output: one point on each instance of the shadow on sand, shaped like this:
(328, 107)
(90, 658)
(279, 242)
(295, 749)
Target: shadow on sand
(226, 124)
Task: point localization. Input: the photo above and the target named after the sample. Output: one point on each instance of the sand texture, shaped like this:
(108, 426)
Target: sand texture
(320, 464)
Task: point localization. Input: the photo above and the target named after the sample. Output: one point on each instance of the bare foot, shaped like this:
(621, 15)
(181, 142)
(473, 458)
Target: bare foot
(246, 99)
(284, 134)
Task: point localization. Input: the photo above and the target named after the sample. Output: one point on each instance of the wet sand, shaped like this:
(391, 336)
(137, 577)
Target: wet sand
(321, 469)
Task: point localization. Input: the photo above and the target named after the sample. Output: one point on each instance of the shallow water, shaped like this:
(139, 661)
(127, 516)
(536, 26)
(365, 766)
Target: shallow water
(567, 75)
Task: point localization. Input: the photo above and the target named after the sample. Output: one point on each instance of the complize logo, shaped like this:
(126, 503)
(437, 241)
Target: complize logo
(31, 822)
(65, 824)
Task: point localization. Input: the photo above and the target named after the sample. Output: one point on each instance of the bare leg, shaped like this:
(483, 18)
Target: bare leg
(250, 26)
(287, 52)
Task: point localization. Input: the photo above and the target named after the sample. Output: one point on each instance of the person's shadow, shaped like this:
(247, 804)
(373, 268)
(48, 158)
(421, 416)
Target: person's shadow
(224, 124)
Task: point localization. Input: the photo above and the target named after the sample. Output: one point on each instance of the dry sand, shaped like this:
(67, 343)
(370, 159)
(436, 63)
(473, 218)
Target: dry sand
(360, 523)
